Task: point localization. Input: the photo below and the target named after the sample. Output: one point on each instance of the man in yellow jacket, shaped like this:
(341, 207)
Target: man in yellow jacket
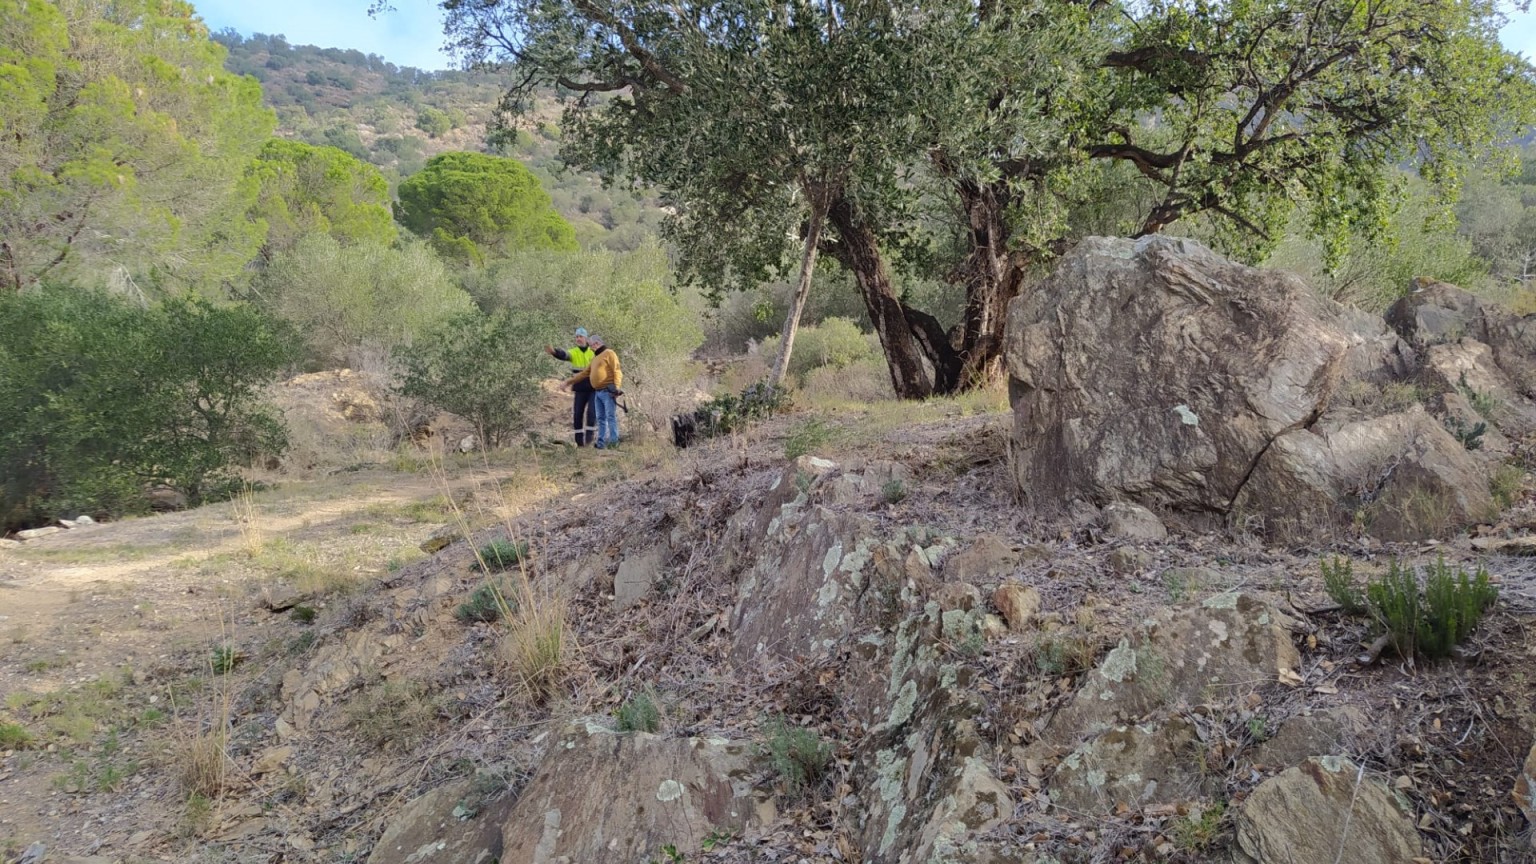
(606, 378)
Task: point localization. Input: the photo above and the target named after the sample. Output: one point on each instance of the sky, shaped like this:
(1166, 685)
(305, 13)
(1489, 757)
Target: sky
(412, 35)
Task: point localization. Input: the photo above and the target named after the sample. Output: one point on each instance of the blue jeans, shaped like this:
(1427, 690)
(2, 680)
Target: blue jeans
(607, 418)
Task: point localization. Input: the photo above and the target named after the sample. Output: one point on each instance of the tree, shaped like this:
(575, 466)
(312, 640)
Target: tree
(100, 397)
(125, 141)
(482, 368)
(304, 190)
(434, 121)
(367, 293)
(473, 204)
(998, 121)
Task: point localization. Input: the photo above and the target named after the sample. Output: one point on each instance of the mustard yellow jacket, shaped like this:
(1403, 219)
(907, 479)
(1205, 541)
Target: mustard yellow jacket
(602, 371)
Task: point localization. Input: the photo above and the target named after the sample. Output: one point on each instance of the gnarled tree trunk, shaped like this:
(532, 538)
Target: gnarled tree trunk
(858, 249)
(992, 276)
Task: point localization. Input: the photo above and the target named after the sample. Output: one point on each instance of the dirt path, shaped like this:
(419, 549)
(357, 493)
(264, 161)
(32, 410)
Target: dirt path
(103, 629)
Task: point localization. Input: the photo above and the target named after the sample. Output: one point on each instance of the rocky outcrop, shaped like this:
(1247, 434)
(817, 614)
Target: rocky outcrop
(1228, 643)
(602, 797)
(1156, 372)
(817, 567)
(1132, 766)
(1326, 809)
(1525, 789)
(452, 824)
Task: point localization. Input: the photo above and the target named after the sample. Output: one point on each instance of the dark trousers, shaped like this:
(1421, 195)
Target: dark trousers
(583, 416)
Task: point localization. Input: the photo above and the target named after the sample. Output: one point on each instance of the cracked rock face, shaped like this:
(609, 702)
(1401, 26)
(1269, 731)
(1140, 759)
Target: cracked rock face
(1156, 372)
(602, 797)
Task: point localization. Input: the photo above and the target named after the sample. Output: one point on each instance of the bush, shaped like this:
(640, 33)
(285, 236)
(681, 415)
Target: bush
(13, 736)
(639, 714)
(488, 603)
(798, 755)
(101, 398)
(535, 646)
(371, 292)
(502, 554)
(729, 413)
(1429, 624)
(485, 369)
(1339, 582)
(834, 344)
(807, 437)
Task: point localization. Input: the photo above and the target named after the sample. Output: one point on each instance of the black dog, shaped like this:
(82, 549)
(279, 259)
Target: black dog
(684, 428)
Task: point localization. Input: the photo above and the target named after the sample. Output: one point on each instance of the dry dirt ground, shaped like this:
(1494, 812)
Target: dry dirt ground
(113, 639)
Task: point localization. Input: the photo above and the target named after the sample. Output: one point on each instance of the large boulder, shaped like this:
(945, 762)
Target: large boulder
(1133, 766)
(1326, 809)
(1437, 313)
(1158, 373)
(602, 797)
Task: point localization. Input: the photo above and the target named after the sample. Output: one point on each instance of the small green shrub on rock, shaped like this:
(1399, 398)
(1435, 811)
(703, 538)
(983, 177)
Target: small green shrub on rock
(639, 714)
(798, 755)
(488, 603)
(499, 555)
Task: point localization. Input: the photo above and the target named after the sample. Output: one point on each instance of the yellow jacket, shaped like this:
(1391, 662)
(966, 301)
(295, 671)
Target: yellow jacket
(602, 371)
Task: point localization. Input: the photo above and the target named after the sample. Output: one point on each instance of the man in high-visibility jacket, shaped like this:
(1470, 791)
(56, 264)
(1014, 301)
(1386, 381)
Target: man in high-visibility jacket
(606, 379)
(583, 408)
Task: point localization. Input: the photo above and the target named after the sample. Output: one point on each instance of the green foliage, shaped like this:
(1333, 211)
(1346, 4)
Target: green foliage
(1339, 582)
(1471, 437)
(502, 554)
(835, 343)
(639, 714)
(729, 413)
(14, 736)
(1199, 833)
(624, 296)
(435, 122)
(1432, 622)
(1376, 262)
(100, 397)
(489, 603)
(797, 754)
(223, 659)
(367, 293)
(303, 614)
(893, 492)
(485, 369)
(807, 437)
(125, 144)
(304, 190)
(1485, 404)
(495, 204)
(1506, 485)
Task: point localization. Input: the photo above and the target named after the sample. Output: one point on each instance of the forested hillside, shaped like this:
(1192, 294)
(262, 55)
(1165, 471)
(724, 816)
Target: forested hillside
(397, 117)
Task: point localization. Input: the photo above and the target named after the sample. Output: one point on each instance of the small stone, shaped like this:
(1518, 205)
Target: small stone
(1133, 522)
(34, 533)
(1525, 787)
(440, 539)
(139, 838)
(83, 519)
(958, 595)
(993, 627)
(1017, 602)
(272, 760)
(1129, 560)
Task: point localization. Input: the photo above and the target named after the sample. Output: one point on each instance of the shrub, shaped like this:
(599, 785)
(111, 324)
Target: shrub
(488, 603)
(834, 344)
(1339, 582)
(203, 765)
(806, 438)
(224, 659)
(1432, 622)
(502, 554)
(729, 413)
(798, 755)
(1506, 485)
(639, 714)
(303, 614)
(893, 491)
(482, 368)
(1471, 437)
(14, 736)
(100, 398)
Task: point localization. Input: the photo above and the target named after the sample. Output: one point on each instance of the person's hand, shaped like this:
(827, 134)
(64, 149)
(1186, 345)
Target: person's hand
(548, 350)
(566, 386)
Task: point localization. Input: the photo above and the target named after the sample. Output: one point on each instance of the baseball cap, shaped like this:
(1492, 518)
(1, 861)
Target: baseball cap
(581, 331)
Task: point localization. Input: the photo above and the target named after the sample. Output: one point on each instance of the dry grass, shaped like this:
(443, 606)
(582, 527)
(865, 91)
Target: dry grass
(536, 644)
(202, 763)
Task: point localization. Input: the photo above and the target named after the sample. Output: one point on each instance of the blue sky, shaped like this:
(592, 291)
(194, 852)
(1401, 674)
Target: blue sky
(412, 35)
